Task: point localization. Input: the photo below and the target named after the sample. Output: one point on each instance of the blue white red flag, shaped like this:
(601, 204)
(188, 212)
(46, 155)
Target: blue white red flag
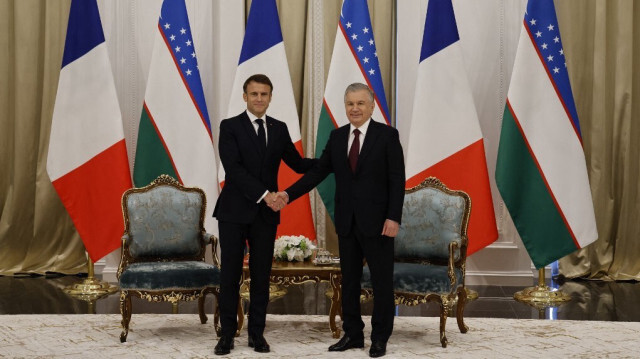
(87, 161)
(445, 140)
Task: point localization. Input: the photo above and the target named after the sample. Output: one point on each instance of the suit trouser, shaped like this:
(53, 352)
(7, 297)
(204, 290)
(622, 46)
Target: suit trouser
(378, 250)
(260, 236)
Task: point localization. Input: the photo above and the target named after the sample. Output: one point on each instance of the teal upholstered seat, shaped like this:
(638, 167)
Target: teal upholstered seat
(431, 250)
(170, 275)
(417, 278)
(163, 248)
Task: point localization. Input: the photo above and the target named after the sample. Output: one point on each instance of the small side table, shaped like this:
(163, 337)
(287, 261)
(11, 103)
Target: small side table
(288, 273)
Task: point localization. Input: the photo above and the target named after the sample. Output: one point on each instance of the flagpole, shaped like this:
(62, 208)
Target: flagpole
(90, 288)
(541, 296)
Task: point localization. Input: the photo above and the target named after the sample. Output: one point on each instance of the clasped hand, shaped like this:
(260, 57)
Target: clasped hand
(276, 201)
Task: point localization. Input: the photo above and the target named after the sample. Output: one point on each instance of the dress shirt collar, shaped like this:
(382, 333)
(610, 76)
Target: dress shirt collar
(253, 117)
(363, 128)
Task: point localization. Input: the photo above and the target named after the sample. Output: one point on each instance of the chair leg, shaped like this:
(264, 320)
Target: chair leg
(203, 315)
(216, 315)
(240, 317)
(462, 299)
(444, 311)
(125, 309)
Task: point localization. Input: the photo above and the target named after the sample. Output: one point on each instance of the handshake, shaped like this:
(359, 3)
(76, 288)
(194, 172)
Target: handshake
(276, 201)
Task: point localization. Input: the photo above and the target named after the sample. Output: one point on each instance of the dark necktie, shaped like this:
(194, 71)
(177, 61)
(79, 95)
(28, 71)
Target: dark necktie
(354, 152)
(262, 136)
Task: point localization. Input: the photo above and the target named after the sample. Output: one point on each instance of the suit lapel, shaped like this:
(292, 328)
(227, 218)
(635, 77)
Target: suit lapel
(342, 143)
(251, 131)
(369, 141)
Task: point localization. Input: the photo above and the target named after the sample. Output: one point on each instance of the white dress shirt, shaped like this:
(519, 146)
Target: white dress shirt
(253, 119)
(363, 133)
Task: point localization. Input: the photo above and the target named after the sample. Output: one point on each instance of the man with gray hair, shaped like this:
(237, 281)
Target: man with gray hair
(366, 158)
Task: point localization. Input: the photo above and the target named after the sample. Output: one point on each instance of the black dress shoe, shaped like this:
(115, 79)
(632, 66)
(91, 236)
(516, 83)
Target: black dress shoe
(259, 344)
(224, 346)
(378, 349)
(346, 343)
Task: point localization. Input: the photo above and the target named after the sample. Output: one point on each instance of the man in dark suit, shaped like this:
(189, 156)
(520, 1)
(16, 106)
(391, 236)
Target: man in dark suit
(251, 146)
(366, 158)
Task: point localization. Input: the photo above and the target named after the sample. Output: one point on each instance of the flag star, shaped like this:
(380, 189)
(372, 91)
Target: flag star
(561, 52)
(544, 46)
(565, 64)
(372, 72)
(177, 48)
(556, 70)
(538, 34)
(366, 60)
(549, 58)
(172, 37)
(359, 48)
(183, 31)
(348, 25)
(188, 72)
(183, 60)
(556, 39)
(354, 36)
(365, 30)
(375, 54)
(193, 54)
(188, 42)
(167, 26)
(370, 41)
(532, 22)
(550, 27)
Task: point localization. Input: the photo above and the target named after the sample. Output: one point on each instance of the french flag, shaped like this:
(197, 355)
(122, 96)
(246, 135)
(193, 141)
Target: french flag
(87, 161)
(263, 53)
(445, 140)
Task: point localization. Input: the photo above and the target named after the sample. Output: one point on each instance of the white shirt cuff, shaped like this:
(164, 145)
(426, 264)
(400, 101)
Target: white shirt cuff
(263, 196)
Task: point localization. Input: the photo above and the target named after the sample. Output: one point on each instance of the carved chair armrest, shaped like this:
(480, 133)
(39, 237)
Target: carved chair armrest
(123, 255)
(208, 238)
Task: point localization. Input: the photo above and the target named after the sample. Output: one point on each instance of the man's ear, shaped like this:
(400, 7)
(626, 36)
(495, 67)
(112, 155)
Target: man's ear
(244, 96)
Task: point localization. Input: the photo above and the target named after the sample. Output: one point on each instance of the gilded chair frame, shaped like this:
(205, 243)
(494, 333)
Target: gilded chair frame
(171, 295)
(458, 294)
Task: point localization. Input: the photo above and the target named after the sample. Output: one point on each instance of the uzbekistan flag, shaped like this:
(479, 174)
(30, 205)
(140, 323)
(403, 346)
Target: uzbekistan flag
(541, 171)
(263, 53)
(87, 160)
(445, 140)
(174, 136)
(354, 59)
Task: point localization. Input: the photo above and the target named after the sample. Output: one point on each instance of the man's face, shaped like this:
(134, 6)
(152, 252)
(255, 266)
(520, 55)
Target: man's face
(359, 107)
(257, 97)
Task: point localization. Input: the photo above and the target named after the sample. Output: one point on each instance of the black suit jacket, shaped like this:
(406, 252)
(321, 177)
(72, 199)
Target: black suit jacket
(373, 193)
(248, 173)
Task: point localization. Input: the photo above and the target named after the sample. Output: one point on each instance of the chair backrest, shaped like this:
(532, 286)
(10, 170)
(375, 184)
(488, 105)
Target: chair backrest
(432, 217)
(164, 220)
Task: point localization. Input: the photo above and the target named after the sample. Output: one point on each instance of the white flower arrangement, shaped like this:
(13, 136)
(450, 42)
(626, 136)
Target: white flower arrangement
(293, 248)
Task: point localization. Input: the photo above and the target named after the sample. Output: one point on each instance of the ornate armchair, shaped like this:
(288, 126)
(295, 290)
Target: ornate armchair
(163, 248)
(431, 251)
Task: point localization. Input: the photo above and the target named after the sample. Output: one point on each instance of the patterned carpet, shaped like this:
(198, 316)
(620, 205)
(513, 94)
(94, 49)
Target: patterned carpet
(297, 336)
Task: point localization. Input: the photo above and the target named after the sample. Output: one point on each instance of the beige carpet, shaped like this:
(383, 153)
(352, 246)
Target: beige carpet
(297, 336)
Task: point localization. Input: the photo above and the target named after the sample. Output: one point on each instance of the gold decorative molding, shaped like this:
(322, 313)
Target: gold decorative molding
(172, 297)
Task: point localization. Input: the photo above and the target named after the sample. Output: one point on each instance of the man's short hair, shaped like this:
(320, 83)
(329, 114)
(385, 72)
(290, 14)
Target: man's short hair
(357, 86)
(259, 78)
